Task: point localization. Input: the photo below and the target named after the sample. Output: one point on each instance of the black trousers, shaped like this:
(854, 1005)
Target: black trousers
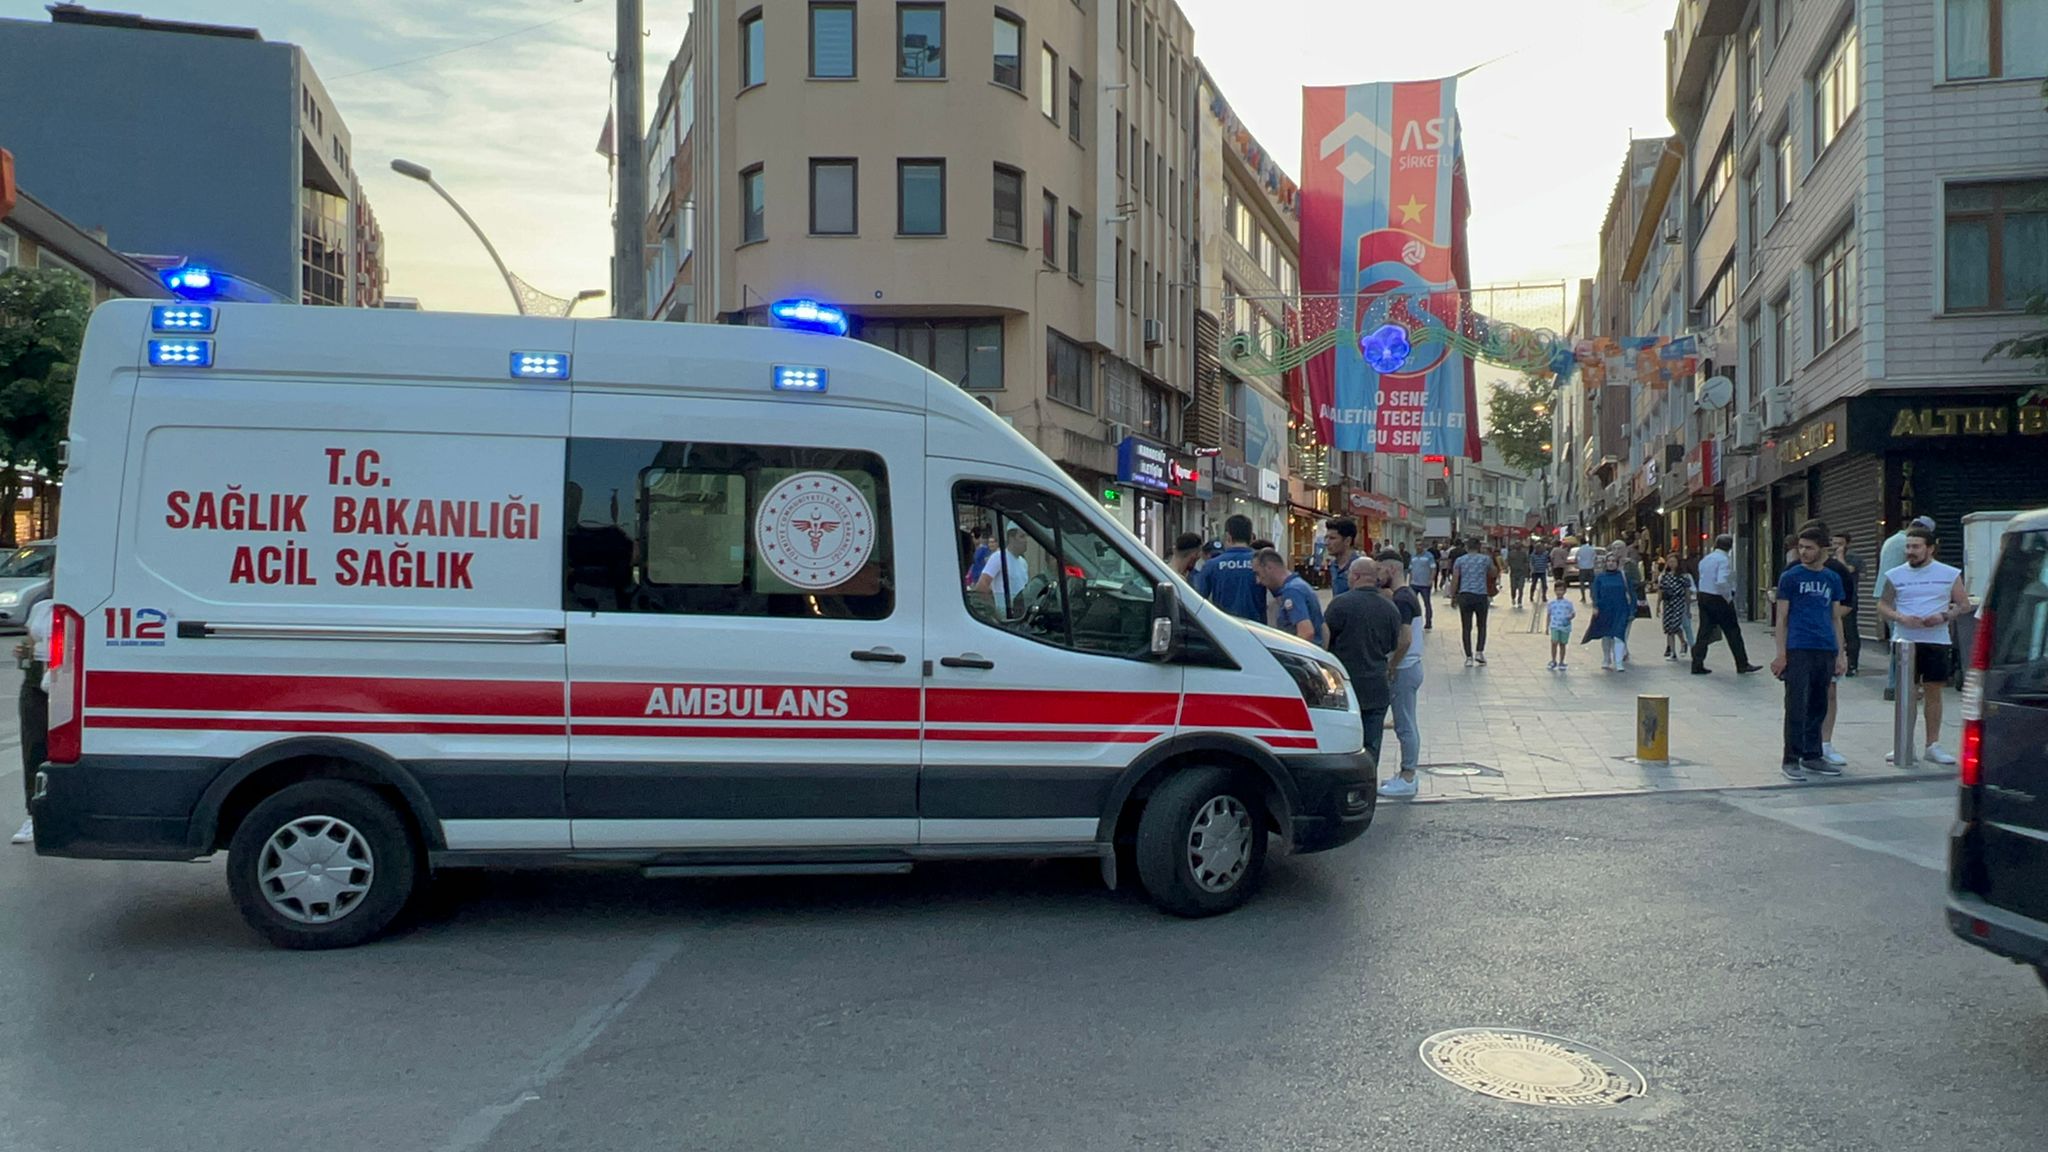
(1717, 618)
(1852, 640)
(35, 729)
(1807, 674)
(1471, 604)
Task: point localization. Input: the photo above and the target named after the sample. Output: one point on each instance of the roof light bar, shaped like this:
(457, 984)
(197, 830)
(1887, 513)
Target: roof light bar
(810, 316)
(181, 318)
(181, 353)
(798, 378)
(540, 365)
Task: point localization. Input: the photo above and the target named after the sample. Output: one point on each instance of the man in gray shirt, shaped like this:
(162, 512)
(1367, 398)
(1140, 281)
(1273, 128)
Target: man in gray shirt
(1367, 637)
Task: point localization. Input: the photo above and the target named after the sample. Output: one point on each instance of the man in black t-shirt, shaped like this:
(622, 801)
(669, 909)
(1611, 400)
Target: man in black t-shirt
(1366, 636)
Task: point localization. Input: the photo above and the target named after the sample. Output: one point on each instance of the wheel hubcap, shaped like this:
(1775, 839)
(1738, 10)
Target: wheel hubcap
(315, 870)
(1220, 843)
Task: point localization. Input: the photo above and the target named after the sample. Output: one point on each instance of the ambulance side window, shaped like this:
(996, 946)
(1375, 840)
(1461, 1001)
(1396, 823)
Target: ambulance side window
(687, 528)
(1043, 572)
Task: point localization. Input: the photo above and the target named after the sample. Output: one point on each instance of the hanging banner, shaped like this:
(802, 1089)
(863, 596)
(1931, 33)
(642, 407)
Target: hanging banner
(1383, 207)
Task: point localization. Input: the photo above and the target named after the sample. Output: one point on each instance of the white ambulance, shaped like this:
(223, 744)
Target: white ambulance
(359, 595)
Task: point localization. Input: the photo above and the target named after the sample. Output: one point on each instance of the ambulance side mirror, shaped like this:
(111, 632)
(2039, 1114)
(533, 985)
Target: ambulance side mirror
(1166, 631)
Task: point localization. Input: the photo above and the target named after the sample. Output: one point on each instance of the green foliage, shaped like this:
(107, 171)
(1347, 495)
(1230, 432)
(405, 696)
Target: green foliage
(2033, 346)
(42, 323)
(1518, 423)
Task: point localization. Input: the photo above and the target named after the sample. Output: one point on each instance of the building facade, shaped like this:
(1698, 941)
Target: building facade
(1000, 194)
(255, 178)
(1894, 221)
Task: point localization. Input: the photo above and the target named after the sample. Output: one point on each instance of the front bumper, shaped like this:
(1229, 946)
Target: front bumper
(1335, 796)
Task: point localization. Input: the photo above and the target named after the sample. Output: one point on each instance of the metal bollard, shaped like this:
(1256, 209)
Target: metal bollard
(1653, 729)
(1902, 707)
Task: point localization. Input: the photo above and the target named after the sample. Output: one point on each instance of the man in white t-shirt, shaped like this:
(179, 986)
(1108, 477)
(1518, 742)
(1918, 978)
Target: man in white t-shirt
(1004, 575)
(1588, 559)
(1921, 598)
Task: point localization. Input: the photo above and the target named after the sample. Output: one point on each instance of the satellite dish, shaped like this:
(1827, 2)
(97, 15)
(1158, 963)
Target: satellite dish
(1716, 392)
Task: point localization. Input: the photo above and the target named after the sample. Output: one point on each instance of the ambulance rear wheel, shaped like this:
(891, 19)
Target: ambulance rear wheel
(321, 864)
(1201, 842)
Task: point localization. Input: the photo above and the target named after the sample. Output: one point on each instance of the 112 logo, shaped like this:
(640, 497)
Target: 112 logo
(135, 627)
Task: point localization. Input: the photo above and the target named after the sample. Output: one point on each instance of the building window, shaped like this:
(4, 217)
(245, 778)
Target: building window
(1781, 338)
(1159, 174)
(1146, 175)
(1145, 58)
(1719, 296)
(1753, 375)
(967, 351)
(1996, 38)
(1155, 413)
(1049, 232)
(1836, 90)
(1783, 11)
(1049, 82)
(753, 50)
(1783, 166)
(921, 197)
(1069, 372)
(921, 41)
(832, 35)
(753, 205)
(1074, 107)
(10, 250)
(1166, 193)
(1753, 70)
(1009, 51)
(1137, 285)
(1123, 25)
(1996, 247)
(1009, 205)
(835, 199)
(1120, 142)
(677, 535)
(323, 248)
(1834, 290)
(1073, 243)
(1119, 270)
(1753, 205)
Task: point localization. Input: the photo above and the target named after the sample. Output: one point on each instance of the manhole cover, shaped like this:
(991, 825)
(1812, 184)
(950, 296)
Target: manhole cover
(1462, 769)
(1531, 1068)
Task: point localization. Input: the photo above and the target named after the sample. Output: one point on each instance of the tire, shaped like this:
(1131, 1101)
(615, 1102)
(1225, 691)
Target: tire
(1183, 815)
(2041, 970)
(348, 831)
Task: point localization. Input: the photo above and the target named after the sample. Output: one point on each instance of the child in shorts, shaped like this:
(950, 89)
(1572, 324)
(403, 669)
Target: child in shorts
(1561, 611)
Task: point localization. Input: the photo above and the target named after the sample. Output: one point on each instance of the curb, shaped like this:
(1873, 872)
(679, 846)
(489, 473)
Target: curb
(1781, 786)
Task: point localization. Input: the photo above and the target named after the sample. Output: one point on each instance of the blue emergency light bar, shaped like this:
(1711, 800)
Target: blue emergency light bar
(190, 280)
(809, 316)
(540, 365)
(181, 318)
(798, 378)
(181, 353)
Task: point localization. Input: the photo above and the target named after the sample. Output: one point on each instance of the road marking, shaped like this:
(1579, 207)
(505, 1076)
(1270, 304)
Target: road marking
(477, 1128)
(1836, 819)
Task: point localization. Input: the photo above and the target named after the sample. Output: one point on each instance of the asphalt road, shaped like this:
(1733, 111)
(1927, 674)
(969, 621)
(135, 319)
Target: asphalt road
(1774, 962)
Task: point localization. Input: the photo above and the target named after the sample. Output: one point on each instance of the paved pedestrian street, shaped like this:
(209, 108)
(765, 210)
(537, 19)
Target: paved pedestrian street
(1515, 730)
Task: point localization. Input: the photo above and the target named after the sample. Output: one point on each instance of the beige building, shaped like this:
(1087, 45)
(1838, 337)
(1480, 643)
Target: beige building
(1000, 193)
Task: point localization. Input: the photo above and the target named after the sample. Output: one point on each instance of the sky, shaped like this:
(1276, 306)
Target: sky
(507, 107)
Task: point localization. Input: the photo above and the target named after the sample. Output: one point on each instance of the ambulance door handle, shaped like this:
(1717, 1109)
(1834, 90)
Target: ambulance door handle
(967, 661)
(880, 656)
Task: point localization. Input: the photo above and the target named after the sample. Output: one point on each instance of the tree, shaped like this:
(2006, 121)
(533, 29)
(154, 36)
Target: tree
(42, 323)
(2033, 346)
(1518, 420)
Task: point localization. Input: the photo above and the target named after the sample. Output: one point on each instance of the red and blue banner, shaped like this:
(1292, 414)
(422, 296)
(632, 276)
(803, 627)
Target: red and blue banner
(1383, 209)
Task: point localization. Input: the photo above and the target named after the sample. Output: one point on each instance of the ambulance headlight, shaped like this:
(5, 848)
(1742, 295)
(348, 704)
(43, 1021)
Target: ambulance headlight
(1321, 682)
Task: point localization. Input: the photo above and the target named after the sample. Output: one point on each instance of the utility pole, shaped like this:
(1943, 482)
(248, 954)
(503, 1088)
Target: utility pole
(629, 273)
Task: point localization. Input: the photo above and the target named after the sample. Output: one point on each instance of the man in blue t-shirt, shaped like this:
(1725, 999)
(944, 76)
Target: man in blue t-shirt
(1300, 610)
(1228, 580)
(1810, 655)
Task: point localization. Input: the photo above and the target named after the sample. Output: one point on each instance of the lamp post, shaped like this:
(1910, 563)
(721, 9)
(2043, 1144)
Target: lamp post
(528, 300)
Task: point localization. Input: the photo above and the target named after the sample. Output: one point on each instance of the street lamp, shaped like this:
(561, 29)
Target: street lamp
(527, 299)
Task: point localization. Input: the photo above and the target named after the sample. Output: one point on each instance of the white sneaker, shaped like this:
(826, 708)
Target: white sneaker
(1468, 661)
(1939, 755)
(1398, 788)
(1828, 753)
(26, 832)
(1481, 657)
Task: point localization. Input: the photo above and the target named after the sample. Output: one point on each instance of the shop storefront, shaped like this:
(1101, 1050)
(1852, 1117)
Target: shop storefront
(1381, 519)
(1150, 484)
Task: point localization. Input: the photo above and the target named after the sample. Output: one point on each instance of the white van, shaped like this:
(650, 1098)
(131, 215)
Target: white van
(358, 595)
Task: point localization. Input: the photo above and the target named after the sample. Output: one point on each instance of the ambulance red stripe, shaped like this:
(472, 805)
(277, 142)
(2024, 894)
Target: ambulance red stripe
(741, 731)
(1204, 711)
(384, 695)
(1019, 706)
(1045, 735)
(335, 724)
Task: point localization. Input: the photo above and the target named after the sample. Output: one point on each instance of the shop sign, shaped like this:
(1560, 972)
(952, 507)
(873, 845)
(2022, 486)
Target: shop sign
(1232, 475)
(1269, 486)
(1703, 466)
(1916, 420)
(1145, 464)
(1645, 479)
(1373, 504)
(1812, 438)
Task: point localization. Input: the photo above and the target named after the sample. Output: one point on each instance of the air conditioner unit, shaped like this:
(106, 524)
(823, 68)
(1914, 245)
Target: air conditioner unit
(1155, 333)
(1671, 234)
(1749, 434)
(1695, 318)
(1777, 408)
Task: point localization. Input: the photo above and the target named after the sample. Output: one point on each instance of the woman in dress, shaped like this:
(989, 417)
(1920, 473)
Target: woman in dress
(1676, 597)
(1613, 609)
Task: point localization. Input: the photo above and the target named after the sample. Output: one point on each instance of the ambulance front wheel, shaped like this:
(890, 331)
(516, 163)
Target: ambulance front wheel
(321, 864)
(1201, 842)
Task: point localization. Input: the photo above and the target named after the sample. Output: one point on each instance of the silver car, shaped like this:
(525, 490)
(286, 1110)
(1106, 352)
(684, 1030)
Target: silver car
(26, 574)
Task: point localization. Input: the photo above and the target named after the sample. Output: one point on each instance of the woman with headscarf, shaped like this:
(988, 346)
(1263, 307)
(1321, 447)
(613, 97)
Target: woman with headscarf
(1613, 609)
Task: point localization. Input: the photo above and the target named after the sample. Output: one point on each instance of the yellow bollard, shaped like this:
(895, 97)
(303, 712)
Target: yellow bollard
(1653, 729)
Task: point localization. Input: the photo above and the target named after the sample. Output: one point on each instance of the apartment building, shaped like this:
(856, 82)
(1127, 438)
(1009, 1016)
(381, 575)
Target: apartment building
(1001, 193)
(1892, 161)
(257, 180)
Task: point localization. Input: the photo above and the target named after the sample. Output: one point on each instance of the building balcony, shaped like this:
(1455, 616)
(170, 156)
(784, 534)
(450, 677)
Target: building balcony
(1690, 47)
